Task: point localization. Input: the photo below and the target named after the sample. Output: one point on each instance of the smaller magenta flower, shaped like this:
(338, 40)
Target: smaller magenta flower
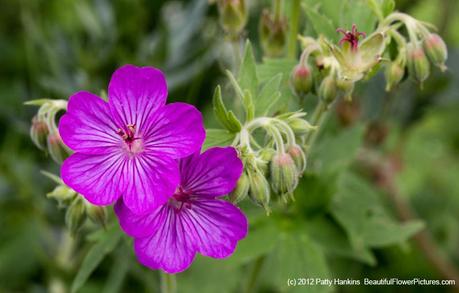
(128, 146)
(352, 37)
(193, 220)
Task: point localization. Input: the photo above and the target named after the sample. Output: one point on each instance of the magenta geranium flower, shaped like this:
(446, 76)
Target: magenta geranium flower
(193, 220)
(128, 146)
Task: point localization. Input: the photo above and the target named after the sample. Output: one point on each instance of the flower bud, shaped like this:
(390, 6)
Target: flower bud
(301, 79)
(56, 147)
(97, 214)
(418, 65)
(284, 174)
(298, 156)
(263, 159)
(273, 34)
(233, 15)
(327, 89)
(436, 49)
(39, 132)
(259, 191)
(394, 73)
(300, 126)
(63, 194)
(242, 189)
(76, 215)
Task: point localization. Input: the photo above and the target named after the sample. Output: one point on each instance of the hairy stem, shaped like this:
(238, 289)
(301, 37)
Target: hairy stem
(168, 283)
(293, 27)
(317, 119)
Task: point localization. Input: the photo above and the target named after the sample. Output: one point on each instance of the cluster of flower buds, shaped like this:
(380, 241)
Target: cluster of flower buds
(44, 132)
(336, 69)
(273, 31)
(416, 52)
(233, 16)
(281, 161)
(78, 208)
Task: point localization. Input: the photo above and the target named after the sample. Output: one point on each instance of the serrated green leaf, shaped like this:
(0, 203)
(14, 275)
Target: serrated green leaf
(247, 77)
(357, 207)
(218, 137)
(321, 24)
(95, 256)
(268, 97)
(225, 117)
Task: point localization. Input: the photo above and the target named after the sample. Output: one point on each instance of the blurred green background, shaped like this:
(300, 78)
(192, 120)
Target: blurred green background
(53, 48)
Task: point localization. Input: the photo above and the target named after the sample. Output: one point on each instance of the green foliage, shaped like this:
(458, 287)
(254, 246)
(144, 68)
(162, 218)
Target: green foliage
(105, 244)
(225, 117)
(357, 207)
(339, 217)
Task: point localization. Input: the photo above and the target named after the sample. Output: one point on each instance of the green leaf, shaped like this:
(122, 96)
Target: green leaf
(95, 255)
(225, 117)
(248, 105)
(357, 12)
(260, 241)
(218, 137)
(269, 96)
(247, 77)
(322, 24)
(272, 67)
(335, 153)
(356, 206)
(268, 70)
(387, 7)
(296, 256)
(333, 240)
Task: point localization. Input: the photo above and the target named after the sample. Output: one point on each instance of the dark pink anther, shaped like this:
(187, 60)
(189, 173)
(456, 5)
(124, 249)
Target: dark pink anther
(352, 36)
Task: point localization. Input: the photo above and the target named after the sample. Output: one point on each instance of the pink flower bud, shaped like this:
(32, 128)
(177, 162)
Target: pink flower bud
(436, 50)
(301, 79)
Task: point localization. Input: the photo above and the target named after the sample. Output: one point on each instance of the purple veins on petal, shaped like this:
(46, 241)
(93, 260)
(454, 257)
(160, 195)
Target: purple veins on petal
(129, 145)
(193, 220)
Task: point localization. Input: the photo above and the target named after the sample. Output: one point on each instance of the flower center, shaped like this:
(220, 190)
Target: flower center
(180, 199)
(133, 144)
(352, 37)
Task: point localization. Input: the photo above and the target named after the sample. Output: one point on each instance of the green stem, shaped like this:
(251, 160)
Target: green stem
(252, 281)
(294, 26)
(168, 283)
(277, 8)
(317, 119)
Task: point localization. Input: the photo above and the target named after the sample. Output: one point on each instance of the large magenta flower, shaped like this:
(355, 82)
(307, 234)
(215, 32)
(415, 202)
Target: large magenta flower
(193, 220)
(128, 146)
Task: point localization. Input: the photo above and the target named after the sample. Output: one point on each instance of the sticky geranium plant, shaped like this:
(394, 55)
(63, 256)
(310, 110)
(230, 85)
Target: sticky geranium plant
(179, 189)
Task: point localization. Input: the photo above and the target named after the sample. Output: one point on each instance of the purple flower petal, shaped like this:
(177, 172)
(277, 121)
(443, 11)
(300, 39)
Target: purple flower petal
(136, 93)
(168, 238)
(150, 181)
(136, 225)
(87, 127)
(169, 248)
(215, 226)
(213, 173)
(99, 178)
(177, 131)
